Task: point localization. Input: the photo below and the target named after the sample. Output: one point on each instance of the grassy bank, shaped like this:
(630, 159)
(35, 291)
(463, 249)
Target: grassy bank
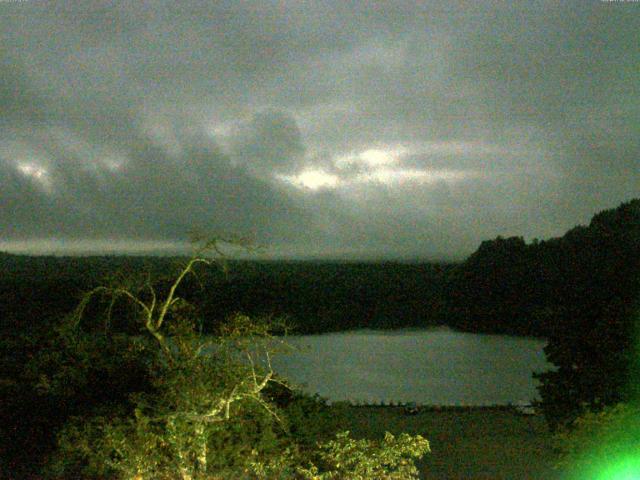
(467, 443)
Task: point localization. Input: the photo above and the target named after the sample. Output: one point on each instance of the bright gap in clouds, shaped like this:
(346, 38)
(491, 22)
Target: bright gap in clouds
(317, 179)
(375, 166)
(37, 173)
(397, 176)
(312, 179)
(373, 157)
(32, 170)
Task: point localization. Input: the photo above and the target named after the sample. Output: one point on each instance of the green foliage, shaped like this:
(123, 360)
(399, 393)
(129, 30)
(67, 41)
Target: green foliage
(209, 406)
(345, 457)
(203, 413)
(309, 419)
(72, 361)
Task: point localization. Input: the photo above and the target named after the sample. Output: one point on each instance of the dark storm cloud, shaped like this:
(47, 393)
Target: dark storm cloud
(18, 100)
(271, 141)
(350, 128)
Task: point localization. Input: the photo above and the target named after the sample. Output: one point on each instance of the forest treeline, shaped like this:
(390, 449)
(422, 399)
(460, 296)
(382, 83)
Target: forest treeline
(507, 286)
(590, 275)
(313, 297)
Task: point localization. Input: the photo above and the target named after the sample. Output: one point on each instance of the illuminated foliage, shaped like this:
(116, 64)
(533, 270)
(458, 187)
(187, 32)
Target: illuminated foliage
(210, 409)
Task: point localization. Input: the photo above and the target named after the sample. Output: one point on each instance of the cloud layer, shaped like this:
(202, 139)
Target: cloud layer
(347, 129)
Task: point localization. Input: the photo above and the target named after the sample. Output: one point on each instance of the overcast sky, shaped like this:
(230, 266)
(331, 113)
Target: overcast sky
(334, 129)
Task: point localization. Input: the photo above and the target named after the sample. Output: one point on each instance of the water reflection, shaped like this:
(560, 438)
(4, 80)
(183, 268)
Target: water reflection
(436, 366)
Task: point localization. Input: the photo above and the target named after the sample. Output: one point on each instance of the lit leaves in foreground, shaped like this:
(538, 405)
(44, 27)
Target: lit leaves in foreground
(210, 411)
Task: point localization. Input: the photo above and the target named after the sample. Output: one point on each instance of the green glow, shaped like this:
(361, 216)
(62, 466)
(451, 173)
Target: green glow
(624, 469)
(606, 445)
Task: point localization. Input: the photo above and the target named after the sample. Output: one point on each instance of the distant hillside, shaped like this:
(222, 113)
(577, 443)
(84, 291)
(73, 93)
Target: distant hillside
(313, 296)
(506, 286)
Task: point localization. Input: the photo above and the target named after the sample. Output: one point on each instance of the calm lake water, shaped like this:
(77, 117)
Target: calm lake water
(435, 366)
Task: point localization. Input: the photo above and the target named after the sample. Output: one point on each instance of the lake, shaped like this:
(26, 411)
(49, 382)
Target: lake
(427, 366)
